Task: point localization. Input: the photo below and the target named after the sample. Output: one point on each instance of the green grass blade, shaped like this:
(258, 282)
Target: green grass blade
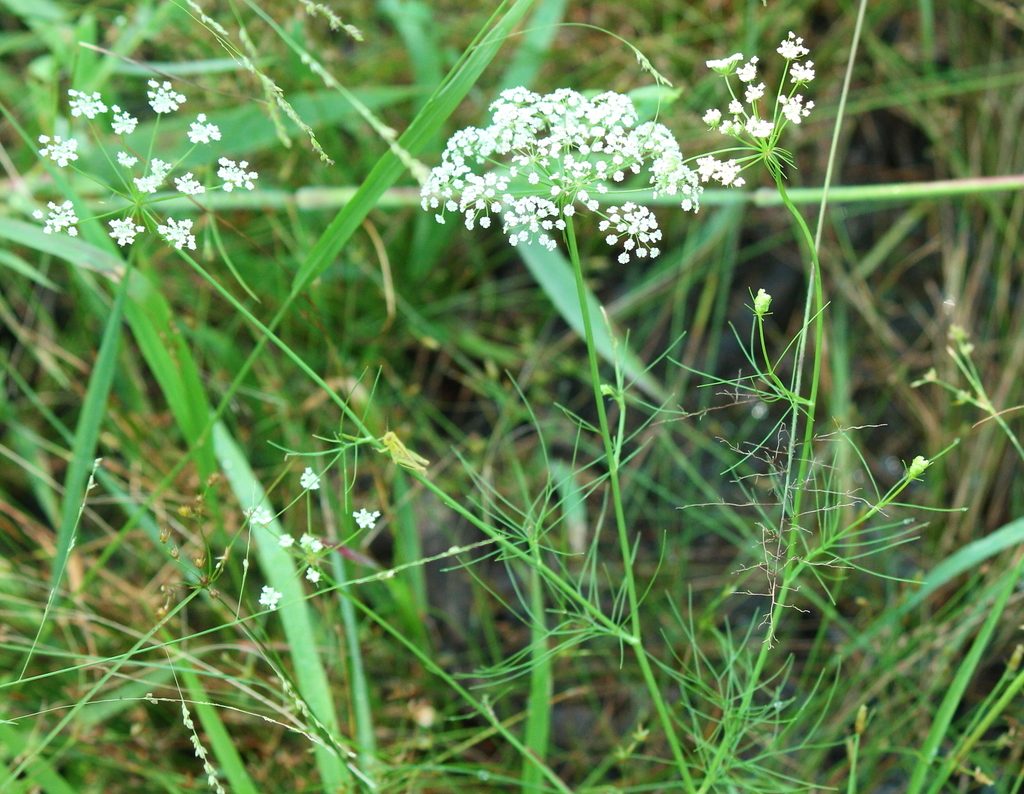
(87, 431)
(171, 363)
(538, 704)
(416, 25)
(552, 272)
(296, 618)
(23, 268)
(955, 691)
(223, 749)
(967, 558)
(426, 124)
(409, 589)
(537, 38)
(41, 776)
(74, 251)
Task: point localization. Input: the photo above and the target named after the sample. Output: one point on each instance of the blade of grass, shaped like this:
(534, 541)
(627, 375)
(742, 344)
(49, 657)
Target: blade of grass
(83, 451)
(955, 691)
(23, 268)
(224, 750)
(424, 126)
(295, 614)
(42, 775)
(967, 558)
(538, 704)
(410, 588)
(366, 742)
(538, 36)
(554, 275)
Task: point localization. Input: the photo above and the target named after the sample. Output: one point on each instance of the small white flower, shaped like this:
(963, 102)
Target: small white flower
(127, 160)
(748, 71)
(794, 108)
(269, 597)
(309, 480)
(178, 233)
(793, 47)
(736, 107)
(725, 65)
(159, 168)
(313, 575)
(311, 543)
(286, 541)
(124, 231)
(259, 516)
(712, 117)
(163, 98)
(725, 172)
(365, 519)
(57, 149)
(754, 92)
(189, 185)
(759, 128)
(124, 123)
(158, 171)
(202, 131)
(235, 175)
(61, 217)
(802, 72)
(147, 184)
(83, 104)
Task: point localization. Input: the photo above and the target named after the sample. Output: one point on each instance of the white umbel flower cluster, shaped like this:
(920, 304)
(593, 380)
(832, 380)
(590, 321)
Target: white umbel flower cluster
(545, 157)
(58, 218)
(163, 99)
(744, 119)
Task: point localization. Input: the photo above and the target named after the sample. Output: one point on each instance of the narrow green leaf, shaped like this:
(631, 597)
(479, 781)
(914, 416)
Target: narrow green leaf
(426, 124)
(73, 251)
(227, 758)
(954, 692)
(23, 268)
(87, 431)
(532, 52)
(40, 775)
(554, 275)
(296, 617)
(966, 558)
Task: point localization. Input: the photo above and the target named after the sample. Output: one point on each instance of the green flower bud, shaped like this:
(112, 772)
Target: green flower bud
(917, 467)
(762, 302)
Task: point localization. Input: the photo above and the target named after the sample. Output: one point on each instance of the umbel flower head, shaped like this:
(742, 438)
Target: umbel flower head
(136, 191)
(543, 158)
(744, 117)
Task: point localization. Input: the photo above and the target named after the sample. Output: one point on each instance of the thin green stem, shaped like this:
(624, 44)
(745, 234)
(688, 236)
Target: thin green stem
(361, 699)
(538, 716)
(625, 546)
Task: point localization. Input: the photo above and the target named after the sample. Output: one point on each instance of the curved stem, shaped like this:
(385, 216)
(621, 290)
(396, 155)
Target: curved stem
(625, 547)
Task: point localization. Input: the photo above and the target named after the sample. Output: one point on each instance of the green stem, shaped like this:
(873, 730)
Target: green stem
(625, 547)
(538, 709)
(813, 306)
(362, 707)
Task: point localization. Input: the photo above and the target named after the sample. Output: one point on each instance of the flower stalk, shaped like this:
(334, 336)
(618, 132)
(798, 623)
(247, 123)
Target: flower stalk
(635, 627)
